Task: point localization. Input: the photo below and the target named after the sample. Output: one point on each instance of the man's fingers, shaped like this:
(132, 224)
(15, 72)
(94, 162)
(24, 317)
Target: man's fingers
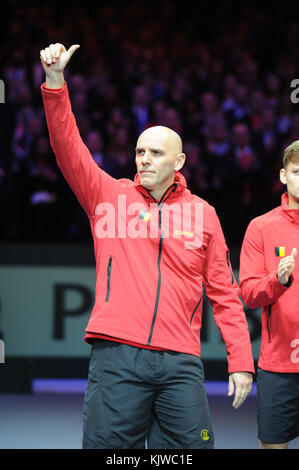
(48, 55)
(230, 386)
(286, 266)
(52, 52)
(57, 49)
(239, 399)
(43, 55)
(56, 56)
(241, 394)
(73, 48)
(242, 383)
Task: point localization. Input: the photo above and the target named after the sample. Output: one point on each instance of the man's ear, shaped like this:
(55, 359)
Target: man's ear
(282, 176)
(180, 160)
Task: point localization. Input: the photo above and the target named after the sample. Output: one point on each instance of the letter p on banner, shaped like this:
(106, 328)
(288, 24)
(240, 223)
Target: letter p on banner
(2, 92)
(2, 354)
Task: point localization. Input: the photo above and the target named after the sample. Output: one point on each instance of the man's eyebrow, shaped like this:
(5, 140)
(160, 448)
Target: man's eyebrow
(159, 149)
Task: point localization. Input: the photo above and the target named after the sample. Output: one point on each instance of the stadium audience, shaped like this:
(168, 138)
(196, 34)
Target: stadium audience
(220, 77)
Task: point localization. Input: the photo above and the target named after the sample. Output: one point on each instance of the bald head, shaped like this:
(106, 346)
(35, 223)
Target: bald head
(163, 135)
(158, 156)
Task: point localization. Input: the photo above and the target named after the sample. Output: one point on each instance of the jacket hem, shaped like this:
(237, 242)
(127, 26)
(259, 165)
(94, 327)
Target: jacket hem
(178, 347)
(281, 368)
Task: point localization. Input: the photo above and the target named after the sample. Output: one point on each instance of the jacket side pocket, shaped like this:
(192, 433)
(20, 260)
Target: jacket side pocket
(268, 322)
(108, 278)
(197, 305)
(229, 265)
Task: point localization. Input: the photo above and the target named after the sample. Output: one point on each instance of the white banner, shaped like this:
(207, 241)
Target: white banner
(45, 310)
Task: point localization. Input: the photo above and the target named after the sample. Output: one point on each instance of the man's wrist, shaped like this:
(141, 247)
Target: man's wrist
(55, 81)
(286, 284)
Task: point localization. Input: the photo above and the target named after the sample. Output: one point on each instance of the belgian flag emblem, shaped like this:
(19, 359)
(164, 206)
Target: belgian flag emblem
(144, 215)
(280, 251)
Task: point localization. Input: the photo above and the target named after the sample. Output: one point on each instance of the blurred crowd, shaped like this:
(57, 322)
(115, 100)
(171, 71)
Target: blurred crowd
(219, 75)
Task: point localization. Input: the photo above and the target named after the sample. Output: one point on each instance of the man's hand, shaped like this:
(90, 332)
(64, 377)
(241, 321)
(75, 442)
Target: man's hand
(54, 60)
(241, 382)
(286, 267)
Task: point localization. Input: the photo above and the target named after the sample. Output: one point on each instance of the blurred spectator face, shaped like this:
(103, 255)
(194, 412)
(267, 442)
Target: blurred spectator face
(94, 142)
(230, 84)
(257, 101)
(35, 125)
(79, 102)
(173, 120)
(242, 94)
(219, 132)
(140, 96)
(240, 135)
(116, 116)
(83, 124)
(42, 145)
(268, 118)
(122, 137)
(209, 102)
(272, 82)
(192, 155)
(110, 94)
(159, 111)
(24, 94)
(78, 83)
(250, 71)
(295, 122)
(122, 158)
(217, 67)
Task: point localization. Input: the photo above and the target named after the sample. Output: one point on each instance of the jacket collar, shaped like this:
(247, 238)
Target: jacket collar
(291, 214)
(175, 190)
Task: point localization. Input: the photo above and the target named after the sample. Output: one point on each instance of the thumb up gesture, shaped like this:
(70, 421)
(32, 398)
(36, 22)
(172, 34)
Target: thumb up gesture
(54, 60)
(286, 267)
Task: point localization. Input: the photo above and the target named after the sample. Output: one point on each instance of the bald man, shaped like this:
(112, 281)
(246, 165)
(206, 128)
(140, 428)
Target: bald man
(157, 246)
(158, 155)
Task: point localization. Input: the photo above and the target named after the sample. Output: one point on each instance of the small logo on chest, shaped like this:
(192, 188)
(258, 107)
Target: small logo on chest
(280, 251)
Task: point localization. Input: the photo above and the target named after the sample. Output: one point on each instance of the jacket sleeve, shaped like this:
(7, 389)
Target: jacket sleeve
(258, 287)
(89, 183)
(223, 293)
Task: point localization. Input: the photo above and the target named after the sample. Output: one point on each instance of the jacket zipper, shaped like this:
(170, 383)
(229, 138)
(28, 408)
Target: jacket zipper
(159, 262)
(229, 265)
(108, 278)
(268, 322)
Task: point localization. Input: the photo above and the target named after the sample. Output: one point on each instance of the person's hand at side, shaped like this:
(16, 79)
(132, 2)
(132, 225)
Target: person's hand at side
(54, 60)
(241, 383)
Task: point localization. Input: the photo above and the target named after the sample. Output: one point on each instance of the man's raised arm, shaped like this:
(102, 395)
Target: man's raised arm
(87, 180)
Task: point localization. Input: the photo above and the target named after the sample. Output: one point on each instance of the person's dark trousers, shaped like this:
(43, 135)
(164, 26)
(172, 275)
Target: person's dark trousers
(128, 386)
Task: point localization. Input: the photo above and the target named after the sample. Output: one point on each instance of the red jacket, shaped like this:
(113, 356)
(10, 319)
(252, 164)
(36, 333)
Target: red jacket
(260, 287)
(149, 288)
